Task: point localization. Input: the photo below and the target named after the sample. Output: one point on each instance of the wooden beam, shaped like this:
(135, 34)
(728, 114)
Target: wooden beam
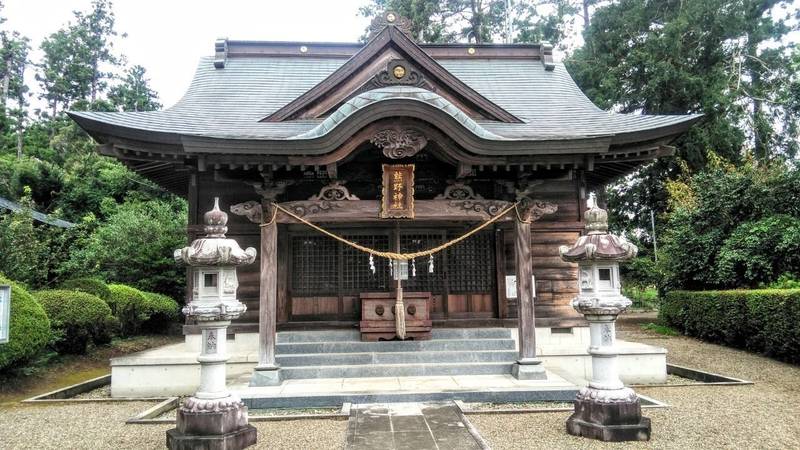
(369, 210)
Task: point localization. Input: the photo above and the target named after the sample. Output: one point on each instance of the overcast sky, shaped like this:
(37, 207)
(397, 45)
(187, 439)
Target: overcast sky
(168, 36)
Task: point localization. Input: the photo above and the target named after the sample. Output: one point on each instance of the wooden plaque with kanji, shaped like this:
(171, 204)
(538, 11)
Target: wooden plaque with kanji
(398, 191)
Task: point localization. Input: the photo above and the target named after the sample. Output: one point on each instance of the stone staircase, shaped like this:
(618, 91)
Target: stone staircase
(341, 354)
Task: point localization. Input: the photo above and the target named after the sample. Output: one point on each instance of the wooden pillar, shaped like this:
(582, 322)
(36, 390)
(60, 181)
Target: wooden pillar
(267, 371)
(527, 367)
(522, 254)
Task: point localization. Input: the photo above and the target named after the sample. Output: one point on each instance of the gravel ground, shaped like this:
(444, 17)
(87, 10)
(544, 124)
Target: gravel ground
(102, 425)
(101, 392)
(522, 405)
(763, 415)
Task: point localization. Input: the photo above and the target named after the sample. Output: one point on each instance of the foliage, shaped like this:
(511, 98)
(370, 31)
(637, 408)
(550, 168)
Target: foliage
(134, 93)
(765, 321)
(140, 311)
(79, 318)
(162, 311)
(29, 328)
(639, 272)
(92, 286)
(128, 306)
(25, 249)
(726, 59)
(785, 281)
(74, 57)
(135, 245)
(643, 297)
(481, 21)
(741, 229)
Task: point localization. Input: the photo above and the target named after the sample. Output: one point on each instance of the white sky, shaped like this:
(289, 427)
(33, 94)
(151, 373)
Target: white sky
(167, 37)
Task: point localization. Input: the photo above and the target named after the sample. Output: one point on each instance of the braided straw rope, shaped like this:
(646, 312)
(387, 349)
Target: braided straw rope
(395, 255)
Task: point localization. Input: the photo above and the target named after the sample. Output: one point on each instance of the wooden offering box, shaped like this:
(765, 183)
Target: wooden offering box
(377, 315)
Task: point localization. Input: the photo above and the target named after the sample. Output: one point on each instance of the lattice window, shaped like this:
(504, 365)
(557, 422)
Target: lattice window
(424, 281)
(356, 274)
(314, 266)
(470, 267)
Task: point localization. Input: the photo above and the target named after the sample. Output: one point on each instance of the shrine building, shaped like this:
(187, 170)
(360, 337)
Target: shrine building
(395, 146)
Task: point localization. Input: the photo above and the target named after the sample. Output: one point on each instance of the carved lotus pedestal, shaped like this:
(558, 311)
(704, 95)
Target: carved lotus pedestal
(608, 415)
(219, 424)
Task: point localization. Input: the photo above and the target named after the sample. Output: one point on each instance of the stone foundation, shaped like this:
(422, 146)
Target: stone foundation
(609, 416)
(219, 424)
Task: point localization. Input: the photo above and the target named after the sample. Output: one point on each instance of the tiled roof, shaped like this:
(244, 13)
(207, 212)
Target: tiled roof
(230, 102)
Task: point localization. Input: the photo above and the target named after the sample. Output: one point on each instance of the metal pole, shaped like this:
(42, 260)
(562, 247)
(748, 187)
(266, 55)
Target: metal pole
(653, 226)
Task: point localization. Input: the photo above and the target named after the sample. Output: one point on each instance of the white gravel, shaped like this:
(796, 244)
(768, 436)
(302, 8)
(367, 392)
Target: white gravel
(763, 415)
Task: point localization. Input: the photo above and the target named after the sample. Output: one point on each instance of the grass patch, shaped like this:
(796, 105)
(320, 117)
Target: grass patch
(57, 371)
(660, 329)
(643, 298)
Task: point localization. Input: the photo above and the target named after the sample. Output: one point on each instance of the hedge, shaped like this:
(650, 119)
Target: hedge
(92, 286)
(765, 320)
(128, 306)
(162, 310)
(79, 319)
(29, 328)
(140, 311)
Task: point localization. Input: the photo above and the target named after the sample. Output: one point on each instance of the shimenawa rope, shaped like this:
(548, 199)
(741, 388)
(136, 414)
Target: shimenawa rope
(392, 255)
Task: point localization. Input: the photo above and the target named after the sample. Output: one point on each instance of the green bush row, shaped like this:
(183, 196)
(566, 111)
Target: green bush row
(764, 320)
(29, 330)
(80, 312)
(78, 319)
(139, 311)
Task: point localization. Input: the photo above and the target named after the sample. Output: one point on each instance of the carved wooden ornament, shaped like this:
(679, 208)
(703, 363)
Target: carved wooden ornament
(399, 143)
(397, 200)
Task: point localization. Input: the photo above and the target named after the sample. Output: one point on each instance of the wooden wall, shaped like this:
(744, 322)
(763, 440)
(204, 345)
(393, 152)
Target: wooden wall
(556, 281)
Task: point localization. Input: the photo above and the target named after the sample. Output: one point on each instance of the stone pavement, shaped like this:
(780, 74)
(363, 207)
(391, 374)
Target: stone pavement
(417, 426)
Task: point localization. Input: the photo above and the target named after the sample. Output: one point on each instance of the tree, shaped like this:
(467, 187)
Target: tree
(134, 246)
(134, 93)
(75, 57)
(732, 227)
(13, 62)
(678, 57)
(481, 21)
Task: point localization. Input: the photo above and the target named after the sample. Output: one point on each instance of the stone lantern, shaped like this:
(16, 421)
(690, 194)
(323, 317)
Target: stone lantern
(606, 409)
(213, 418)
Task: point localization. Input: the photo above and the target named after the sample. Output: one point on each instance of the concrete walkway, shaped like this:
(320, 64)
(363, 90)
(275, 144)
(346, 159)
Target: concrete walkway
(414, 426)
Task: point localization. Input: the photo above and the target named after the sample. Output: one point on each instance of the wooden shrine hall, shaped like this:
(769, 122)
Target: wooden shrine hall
(396, 146)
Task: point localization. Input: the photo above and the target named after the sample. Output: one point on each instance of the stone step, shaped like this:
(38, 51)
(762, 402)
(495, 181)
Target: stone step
(290, 337)
(287, 337)
(441, 345)
(471, 333)
(558, 392)
(340, 359)
(395, 370)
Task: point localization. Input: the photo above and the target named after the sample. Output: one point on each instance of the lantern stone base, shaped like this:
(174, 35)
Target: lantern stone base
(219, 424)
(528, 370)
(266, 377)
(609, 415)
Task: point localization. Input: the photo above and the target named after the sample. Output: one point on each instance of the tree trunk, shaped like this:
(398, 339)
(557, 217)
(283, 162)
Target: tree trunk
(585, 15)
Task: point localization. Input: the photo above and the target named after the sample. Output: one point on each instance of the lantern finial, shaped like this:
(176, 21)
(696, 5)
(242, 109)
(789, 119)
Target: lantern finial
(216, 221)
(596, 218)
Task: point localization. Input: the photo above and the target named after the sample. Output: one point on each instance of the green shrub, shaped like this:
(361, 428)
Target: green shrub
(30, 328)
(129, 307)
(79, 318)
(93, 286)
(764, 320)
(162, 310)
